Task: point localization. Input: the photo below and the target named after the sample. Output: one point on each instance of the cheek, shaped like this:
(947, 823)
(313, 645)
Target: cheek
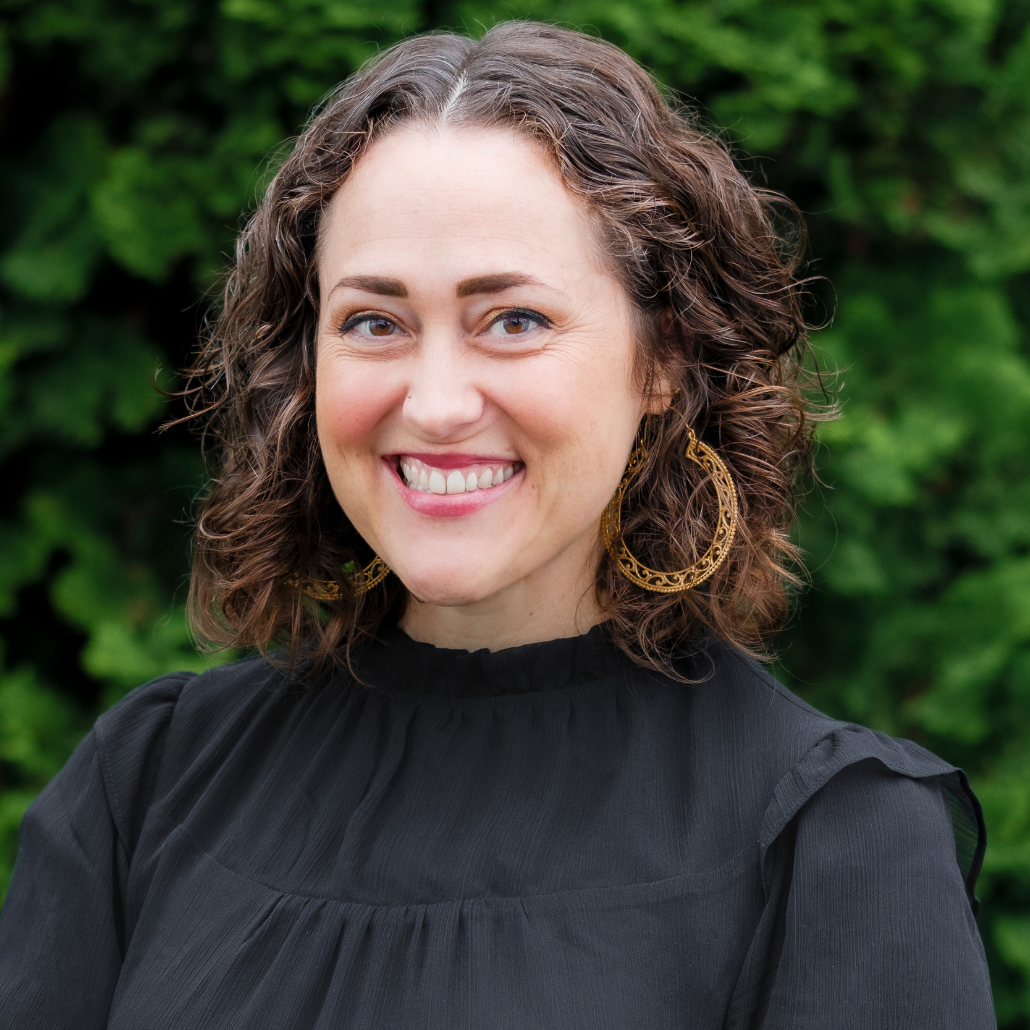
(351, 401)
(578, 419)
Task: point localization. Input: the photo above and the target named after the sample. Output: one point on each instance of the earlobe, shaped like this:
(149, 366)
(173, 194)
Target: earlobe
(663, 393)
(663, 399)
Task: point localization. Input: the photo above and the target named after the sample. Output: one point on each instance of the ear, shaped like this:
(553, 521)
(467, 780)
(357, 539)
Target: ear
(662, 393)
(662, 388)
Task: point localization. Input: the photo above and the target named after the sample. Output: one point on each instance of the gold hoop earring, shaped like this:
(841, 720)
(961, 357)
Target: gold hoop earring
(329, 590)
(725, 530)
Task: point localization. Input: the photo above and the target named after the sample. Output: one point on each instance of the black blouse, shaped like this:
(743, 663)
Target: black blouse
(543, 837)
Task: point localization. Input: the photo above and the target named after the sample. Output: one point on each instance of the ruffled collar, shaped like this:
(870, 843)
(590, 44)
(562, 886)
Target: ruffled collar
(403, 665)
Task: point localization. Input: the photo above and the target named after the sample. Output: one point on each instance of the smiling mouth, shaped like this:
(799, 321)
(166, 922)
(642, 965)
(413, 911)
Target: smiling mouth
(428, 479)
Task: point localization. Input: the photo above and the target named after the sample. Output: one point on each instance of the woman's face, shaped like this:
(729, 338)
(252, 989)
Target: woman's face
(476, 401)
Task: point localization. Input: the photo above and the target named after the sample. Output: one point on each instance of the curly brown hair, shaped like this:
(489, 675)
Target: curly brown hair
(709, 260)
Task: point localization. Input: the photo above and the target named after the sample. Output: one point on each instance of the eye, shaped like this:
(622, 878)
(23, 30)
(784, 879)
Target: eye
(517, 322)
(377, 326)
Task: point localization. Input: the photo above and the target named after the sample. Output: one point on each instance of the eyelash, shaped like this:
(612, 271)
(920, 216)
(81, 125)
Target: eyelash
(362, 316)
(367, 316)
(544, 322)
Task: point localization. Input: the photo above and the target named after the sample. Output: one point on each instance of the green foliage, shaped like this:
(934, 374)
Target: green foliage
(136, 131)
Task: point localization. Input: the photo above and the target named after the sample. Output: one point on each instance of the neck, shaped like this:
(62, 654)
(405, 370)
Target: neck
(558, 601)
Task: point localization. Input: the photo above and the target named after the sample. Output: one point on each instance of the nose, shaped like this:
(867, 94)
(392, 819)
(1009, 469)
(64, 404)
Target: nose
(443, 402)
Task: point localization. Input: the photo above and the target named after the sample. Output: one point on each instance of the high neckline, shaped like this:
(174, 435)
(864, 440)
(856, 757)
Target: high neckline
(403, 665)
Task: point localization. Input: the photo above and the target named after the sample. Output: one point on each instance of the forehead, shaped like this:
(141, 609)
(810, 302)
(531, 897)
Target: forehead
(453, 197)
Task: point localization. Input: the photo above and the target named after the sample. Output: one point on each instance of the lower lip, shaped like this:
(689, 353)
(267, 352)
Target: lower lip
(450, 505)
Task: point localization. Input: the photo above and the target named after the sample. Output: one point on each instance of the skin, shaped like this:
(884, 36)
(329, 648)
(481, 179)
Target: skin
(432, 371)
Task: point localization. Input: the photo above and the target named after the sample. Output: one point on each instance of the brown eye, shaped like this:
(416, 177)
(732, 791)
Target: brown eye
(370, 325)
(514, 324)
(380, 327)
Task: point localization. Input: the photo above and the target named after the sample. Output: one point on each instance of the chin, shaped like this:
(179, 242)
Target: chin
(446, 589)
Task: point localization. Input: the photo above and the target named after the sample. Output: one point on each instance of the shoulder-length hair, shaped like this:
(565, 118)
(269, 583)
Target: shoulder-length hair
(708, 259)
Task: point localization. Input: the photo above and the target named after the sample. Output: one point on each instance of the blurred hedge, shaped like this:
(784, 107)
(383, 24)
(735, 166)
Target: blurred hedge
(134, 132)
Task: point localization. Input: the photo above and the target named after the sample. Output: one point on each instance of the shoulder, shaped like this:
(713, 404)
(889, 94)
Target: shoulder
(800, 745)
(140, 736)
(831, 773)
(141, 719)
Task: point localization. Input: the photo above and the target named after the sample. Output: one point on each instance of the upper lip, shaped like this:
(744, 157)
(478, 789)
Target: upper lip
(454, 460)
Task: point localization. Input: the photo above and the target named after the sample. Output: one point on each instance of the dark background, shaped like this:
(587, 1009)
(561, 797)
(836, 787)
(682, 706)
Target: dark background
(133, 135)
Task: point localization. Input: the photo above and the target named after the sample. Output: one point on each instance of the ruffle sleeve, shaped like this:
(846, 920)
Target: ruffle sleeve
(61, 931)
(870, 852)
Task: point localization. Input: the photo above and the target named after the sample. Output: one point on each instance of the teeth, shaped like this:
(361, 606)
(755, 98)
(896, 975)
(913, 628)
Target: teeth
(418, 476)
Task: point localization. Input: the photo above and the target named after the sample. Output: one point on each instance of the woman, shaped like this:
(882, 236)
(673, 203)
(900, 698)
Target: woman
(505, 391)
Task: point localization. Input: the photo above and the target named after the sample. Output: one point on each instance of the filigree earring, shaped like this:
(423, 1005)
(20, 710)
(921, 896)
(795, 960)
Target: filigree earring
(725, 530)
(329, 590)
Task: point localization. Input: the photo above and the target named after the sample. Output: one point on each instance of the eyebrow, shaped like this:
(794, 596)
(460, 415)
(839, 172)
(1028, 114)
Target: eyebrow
(378, 284)
(383, 286)
(494, 283)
